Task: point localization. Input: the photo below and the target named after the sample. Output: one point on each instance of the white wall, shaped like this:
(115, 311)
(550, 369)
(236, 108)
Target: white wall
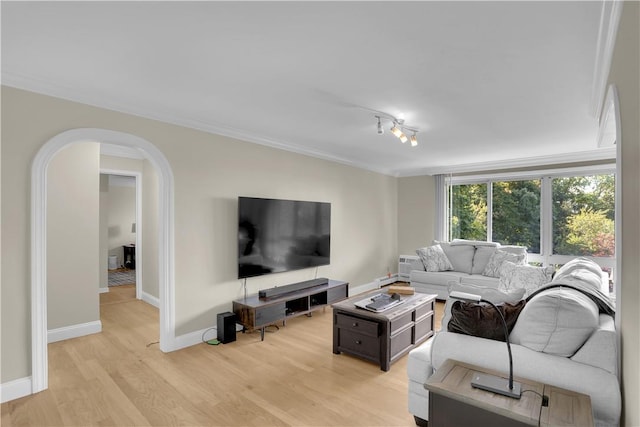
(73, 236)
(210, 172)
(624, 74)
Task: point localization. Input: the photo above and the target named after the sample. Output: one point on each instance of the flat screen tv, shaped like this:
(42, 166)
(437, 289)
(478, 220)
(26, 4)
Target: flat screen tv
(282, 235)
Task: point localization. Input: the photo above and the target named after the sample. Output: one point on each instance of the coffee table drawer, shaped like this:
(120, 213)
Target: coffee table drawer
(401, 322)
(357, 325)
(362, 345)
(401, 342)
(423, 310)
(423, 329)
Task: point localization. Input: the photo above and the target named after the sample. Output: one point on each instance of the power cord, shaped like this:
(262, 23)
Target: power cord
(544, 401)
(212, 341)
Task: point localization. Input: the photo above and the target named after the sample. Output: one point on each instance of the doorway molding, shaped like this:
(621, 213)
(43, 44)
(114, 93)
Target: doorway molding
(166, 257)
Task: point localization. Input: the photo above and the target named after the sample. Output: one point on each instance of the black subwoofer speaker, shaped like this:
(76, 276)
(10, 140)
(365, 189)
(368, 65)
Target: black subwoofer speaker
(226, 327)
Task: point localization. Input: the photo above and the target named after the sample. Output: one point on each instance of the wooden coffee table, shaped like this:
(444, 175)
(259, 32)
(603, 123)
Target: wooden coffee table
(453, 402)
(386, 336)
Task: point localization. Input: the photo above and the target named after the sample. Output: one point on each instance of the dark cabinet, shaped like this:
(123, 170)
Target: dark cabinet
(129, 257)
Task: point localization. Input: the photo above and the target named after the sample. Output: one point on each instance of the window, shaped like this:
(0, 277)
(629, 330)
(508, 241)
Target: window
(583, 215)
(516, 213)
(557, 215)
(469, 212)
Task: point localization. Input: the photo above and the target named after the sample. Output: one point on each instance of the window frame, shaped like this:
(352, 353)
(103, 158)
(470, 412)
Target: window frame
(546, 255)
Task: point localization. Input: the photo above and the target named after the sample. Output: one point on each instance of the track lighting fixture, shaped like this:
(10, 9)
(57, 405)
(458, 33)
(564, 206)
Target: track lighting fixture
(398, 128)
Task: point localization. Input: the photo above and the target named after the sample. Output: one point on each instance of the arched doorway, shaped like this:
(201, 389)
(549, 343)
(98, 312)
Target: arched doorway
(39, 355)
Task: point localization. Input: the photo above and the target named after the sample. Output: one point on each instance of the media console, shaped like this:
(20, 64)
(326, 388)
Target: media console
(279, 303)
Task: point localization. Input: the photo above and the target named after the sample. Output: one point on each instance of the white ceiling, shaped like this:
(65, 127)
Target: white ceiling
(487, 83)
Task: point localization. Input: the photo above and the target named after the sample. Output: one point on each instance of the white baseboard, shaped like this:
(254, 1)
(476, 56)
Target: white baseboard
(103, 290)
(15, 389)
(387, 280)
(193, 338)
(74, 331)
(150, 299)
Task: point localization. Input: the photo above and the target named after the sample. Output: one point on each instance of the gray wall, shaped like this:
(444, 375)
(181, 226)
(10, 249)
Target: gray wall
(416, 213)
(72, 237)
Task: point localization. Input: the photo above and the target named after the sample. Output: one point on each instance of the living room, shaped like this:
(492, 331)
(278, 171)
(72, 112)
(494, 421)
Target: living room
(200, 174)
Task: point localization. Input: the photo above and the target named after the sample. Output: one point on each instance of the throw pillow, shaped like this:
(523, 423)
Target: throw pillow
(482, 320)
(556, 321)
(460, 256)
(434, 258)
(495, 262)
(528, 277)
(481, 258)
(490, 294)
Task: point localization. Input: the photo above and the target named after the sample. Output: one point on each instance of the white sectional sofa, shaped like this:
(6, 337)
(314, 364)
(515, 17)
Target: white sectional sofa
(564, 336)
(468, 261)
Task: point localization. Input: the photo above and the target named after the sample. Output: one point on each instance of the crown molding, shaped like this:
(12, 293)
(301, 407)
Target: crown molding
(42, 87)
(609, 21)
(526, 162)
(38, 85)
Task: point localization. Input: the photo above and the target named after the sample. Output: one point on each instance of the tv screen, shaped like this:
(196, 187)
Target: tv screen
(282, 235)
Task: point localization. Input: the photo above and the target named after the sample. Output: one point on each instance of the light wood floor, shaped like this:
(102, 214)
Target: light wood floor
(118, 378)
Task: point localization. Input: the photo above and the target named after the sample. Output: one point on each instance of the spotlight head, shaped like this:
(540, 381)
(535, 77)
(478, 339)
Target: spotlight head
(414, 140)
(403, 137)
(396, 130)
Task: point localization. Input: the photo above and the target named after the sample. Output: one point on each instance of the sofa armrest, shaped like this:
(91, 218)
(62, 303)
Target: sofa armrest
(419, 366)
(600, 348)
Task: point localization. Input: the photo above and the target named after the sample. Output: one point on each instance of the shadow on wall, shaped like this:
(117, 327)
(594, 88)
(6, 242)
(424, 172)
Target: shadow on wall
(224, 239)
(114, 231)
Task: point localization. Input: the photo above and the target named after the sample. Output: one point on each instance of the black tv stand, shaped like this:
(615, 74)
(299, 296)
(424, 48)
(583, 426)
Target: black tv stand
(255, 312)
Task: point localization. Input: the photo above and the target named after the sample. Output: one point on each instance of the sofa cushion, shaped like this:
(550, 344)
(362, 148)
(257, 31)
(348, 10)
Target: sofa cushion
(460, 256)
(556, 321)
(482, 320)
(514, 249)
(529, 277)
(492, 268)
(442, 278)
(476, 243)
(481, 258)
(489, 294)
(434, 258)
(480, 280)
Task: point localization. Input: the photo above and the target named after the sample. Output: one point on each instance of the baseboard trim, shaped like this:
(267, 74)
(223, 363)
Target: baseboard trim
(194, 338)
(103, 290)
(15, 389)
(150, 299)
(74, 331)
